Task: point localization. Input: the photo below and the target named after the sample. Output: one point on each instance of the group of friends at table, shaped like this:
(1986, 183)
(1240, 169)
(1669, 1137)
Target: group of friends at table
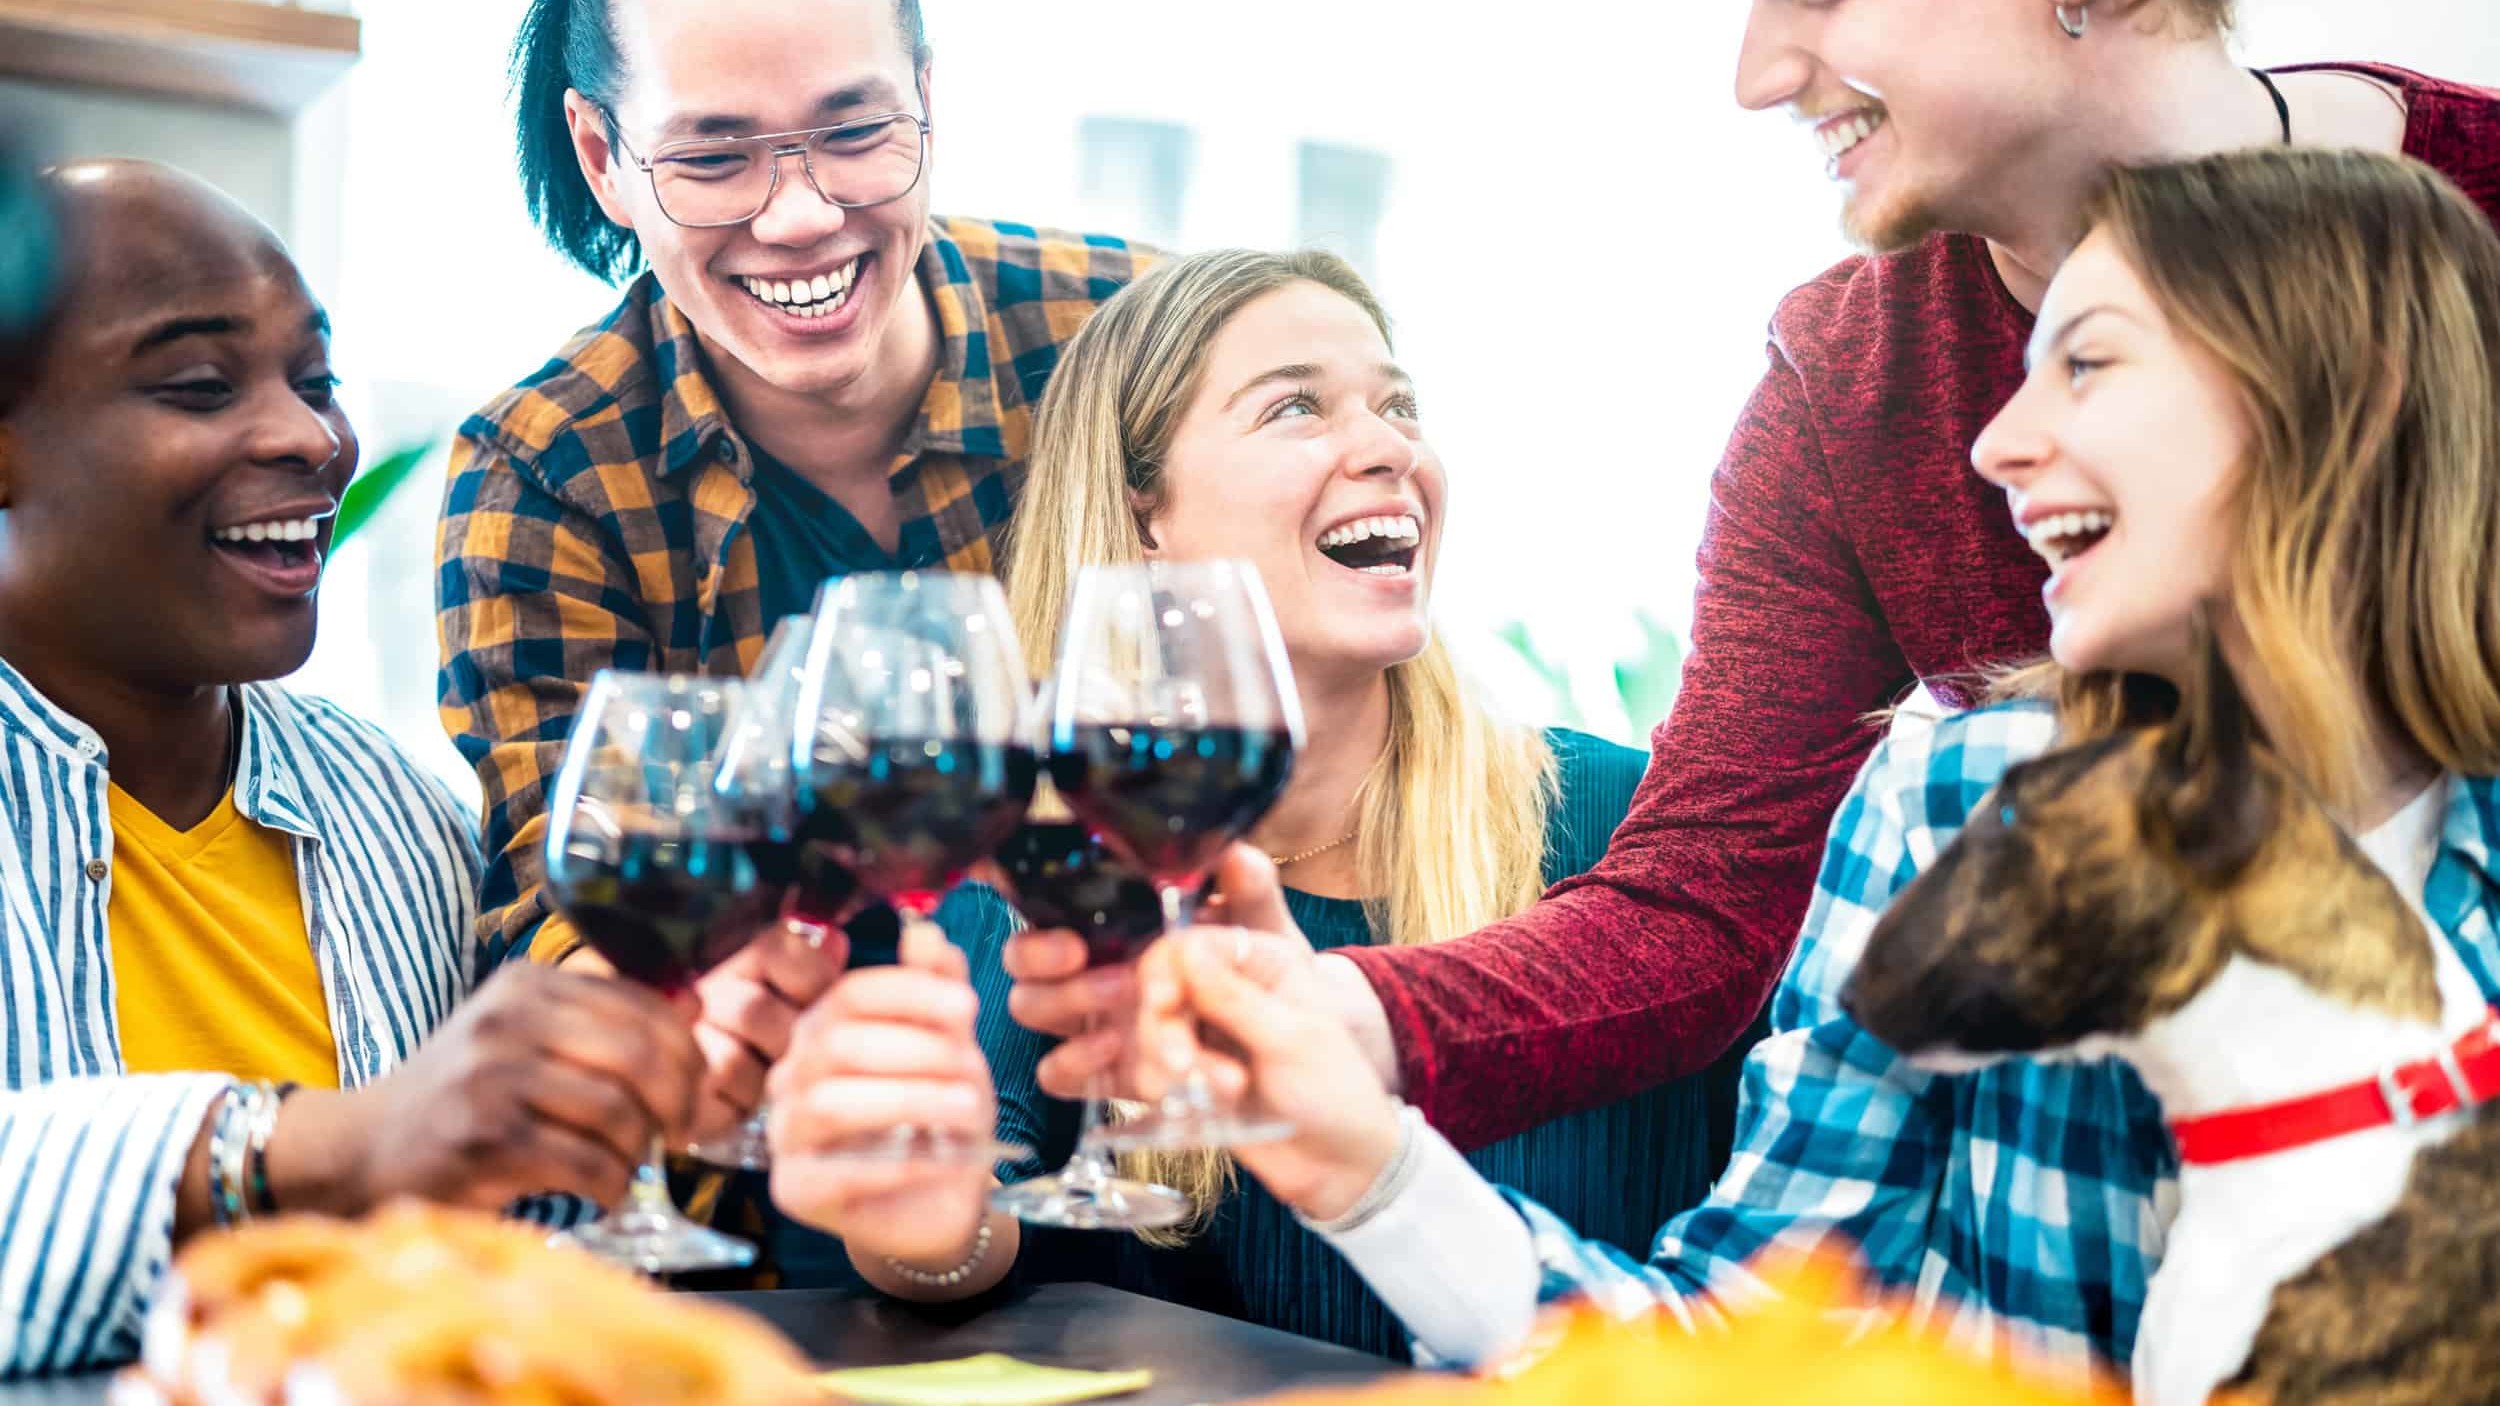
(2140, 333)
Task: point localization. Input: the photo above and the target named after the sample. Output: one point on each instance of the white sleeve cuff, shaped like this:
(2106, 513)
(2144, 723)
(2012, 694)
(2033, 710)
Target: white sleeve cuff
(1448, 1256)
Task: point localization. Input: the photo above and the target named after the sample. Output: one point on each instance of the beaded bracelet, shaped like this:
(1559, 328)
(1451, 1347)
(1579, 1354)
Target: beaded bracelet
(952, 1277)
(238, 1152)
(225, 1143)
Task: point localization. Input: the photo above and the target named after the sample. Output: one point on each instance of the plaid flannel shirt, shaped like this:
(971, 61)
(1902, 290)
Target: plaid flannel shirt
(595, 513)
(2024, 1206)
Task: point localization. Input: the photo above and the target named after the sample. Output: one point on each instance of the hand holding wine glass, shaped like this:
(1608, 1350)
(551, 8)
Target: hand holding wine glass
(888, 1047)
(541, 1081)
(1061, 990)
(1244, 1011)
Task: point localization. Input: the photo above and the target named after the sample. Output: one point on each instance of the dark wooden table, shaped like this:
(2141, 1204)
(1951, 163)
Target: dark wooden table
(1196, 1357)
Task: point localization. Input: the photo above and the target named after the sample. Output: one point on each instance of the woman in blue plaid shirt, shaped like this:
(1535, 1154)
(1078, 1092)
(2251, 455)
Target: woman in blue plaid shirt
(2265, 382)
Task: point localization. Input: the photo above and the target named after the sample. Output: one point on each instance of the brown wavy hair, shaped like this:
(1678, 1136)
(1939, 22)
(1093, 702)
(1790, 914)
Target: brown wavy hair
(2353, 301)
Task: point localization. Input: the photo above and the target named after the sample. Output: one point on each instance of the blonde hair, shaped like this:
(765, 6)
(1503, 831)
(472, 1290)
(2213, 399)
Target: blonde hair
(1451, 819)
(2353, 300)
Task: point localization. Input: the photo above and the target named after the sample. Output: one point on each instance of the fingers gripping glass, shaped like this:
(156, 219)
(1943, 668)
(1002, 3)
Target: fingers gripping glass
(720, 181)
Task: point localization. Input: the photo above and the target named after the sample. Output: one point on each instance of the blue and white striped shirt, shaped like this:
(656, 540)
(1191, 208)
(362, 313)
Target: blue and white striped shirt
(2025, 1206)
(90, 1156)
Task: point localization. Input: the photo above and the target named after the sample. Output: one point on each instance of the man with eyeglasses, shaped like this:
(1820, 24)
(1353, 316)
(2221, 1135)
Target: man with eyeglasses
(808, 375)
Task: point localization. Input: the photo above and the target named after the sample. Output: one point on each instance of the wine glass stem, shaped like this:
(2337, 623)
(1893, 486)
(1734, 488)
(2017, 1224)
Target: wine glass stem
(650, 1189)
(1180, 908)
(1090, 1164)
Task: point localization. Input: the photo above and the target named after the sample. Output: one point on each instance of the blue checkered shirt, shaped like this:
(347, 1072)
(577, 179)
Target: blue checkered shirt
(2022, 1207)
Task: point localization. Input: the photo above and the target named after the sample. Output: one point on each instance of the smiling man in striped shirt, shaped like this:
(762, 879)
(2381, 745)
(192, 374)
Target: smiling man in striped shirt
(229, 915)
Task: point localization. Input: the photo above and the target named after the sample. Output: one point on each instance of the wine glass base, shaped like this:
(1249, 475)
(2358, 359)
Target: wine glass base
(931, 1147)
(1112, 1203)
(657, 1243)
(742, 1149)
(1183, 1127)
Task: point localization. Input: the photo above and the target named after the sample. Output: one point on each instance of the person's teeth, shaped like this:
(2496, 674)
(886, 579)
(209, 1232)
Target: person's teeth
(299, 530)
(1403, 527)
(1841, 137)
(822, 288)
(850, 272)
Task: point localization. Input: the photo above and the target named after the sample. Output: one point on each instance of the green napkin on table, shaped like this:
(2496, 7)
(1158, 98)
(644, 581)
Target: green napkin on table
(991, 1379)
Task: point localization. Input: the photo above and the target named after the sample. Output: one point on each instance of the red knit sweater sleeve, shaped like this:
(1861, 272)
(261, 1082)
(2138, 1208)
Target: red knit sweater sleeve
(1646, 967)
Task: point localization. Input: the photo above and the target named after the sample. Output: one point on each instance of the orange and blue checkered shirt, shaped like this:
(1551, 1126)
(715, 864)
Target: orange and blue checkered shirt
(597, 512)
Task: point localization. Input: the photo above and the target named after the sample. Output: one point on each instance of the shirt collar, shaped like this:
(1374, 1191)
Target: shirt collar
(959, 415)
(269, 789)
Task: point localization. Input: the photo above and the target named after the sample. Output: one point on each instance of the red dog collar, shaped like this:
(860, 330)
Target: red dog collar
(2459, 1076)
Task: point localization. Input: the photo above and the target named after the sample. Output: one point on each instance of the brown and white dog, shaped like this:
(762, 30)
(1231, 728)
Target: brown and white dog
(2175, 897)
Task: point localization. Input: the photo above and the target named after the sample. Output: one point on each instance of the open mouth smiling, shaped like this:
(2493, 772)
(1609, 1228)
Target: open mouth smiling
(804, 297)
(1375, 546)
(282, 553)
(2059, 538)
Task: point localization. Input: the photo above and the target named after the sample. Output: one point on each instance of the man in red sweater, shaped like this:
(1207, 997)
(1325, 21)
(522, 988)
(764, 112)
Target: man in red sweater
(1850, 552)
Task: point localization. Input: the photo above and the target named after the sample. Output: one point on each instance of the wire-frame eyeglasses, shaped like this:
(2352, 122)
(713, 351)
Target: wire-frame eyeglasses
(715, 182)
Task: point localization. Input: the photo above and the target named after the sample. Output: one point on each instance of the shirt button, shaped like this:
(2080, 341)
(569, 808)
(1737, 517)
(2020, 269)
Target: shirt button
(725, 449)
(89, 748)
(97, 869)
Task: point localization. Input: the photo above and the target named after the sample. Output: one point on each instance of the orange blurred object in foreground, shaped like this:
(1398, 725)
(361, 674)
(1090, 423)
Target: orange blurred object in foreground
(1823, 1341)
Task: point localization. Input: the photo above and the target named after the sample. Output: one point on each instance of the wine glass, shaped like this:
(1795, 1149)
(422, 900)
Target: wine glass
(910, 758)
(1173, 729)
(762, 728)
(662, 838)
(1058, 875)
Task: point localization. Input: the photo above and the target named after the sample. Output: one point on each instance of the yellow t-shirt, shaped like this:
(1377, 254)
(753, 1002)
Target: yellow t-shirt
(213, 970)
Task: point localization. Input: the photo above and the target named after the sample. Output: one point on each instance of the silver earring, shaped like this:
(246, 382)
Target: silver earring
(2072, 19)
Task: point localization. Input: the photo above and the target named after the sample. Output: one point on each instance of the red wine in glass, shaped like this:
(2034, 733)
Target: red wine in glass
(907, 816)
(665, 909)
(1060, 876)
(1168, 799)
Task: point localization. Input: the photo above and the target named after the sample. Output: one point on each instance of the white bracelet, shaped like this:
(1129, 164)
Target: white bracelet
(952, 1277)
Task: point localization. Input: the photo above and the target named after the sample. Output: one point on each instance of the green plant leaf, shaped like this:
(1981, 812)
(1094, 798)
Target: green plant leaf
(372, 489)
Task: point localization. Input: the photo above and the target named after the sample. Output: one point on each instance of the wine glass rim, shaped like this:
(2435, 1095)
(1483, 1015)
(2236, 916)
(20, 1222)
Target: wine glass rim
(663, 683)
(929, 579)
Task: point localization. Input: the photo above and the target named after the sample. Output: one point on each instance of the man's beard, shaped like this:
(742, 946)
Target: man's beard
(1899, 223)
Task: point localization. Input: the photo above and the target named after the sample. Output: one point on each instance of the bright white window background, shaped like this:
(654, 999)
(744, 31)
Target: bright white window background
(1581, 240)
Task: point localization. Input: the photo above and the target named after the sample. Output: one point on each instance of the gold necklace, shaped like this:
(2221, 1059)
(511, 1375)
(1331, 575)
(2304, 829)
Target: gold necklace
(1287, 861)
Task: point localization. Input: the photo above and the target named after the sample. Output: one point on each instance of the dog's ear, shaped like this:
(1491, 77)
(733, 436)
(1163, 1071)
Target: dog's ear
(2205, 793)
